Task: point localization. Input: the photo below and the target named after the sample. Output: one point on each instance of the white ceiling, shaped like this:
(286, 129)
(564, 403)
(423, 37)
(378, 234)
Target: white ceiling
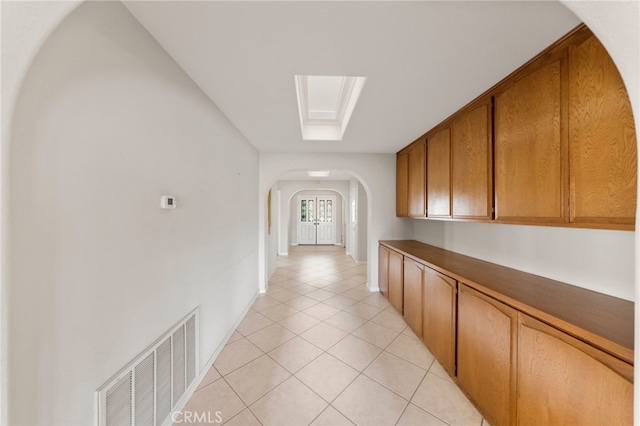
(423, 59)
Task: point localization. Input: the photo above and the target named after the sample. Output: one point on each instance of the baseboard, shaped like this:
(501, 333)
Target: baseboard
(284, 253)
(203, 372)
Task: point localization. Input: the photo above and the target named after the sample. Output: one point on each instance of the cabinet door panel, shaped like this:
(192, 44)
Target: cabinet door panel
(602, 138)
(417, 179)
(530, 158)
(413, 295)
(383, 270)
(402, 184)
(438, 174)
(486, 350)
(396, 278)
(562, 380)
(439, 318)
(471, 164)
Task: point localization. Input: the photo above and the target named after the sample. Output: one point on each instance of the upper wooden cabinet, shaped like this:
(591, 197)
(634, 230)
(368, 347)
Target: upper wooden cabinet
(402, 184)
(439, 173)
(554, 143)
(530, 147)
(411, 165)
(602, 139)
(472, 162)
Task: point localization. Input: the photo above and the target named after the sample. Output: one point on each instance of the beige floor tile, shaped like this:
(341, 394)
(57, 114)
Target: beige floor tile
(301, 302)
(270, 337)
(412, 350)
(408, 332)
(346, 321)
(323, 335)
(436, 368)
(331, 417)
(327, 376)
(355, 352)
(211, 376)
(414, 416)
(376, 299)
(358, 293)
(256, 378)
(274, 288)
(320, 295)
(304, 289)
(235, 336)
(339, 302)
(376, 334)
(291, 403)
(299, 323)
(279, 312)
(321, 311)
(392, 320)
(365, 402)
(295, 354)
(289, 284)
(363, 310)
(444, 400)
(396, 374)
(216, 399)
(263, 302)
(253, 323)
(318, 283)
(244, 418)
(235, 355)
(284, 295)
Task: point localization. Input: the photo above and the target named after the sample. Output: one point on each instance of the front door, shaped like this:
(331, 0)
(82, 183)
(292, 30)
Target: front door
(316, 220)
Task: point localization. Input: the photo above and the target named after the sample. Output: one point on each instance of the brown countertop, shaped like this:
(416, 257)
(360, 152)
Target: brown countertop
(601, 320)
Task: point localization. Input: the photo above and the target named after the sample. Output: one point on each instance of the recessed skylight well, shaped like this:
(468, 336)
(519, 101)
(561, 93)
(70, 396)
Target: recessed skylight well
(325, 104)
(318, 173)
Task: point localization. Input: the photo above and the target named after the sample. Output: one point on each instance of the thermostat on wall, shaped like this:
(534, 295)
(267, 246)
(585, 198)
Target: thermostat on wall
(168, 202)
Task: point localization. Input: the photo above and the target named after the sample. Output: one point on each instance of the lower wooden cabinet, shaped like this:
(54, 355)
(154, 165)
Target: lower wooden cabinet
(383, 270)
(564, 381)
(396, 280)
(486, 349)
(514, 368)
(413, 273)
(439, 317)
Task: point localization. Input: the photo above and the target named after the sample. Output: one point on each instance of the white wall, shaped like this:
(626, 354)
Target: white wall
(595, 259)
(362, 255)
(104, 124)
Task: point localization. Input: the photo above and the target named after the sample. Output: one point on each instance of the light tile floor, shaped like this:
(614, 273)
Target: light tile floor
(320, 349)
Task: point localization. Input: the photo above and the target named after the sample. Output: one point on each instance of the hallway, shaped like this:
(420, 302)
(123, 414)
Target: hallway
(320, 349)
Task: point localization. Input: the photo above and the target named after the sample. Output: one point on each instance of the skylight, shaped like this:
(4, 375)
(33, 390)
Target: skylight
(325, 104)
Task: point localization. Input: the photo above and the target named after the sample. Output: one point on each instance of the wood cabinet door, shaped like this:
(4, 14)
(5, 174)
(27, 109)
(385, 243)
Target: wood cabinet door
(472, 163)
(530, 148)
(487, 332)
(602, 139)
(439, 317)
(439, 174)
(417, 179)
(383, 270)
(402, 184)
(413, 295)
(396, 280)
(564, 381)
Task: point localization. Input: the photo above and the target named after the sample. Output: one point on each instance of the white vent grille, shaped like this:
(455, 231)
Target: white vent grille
(146, 390)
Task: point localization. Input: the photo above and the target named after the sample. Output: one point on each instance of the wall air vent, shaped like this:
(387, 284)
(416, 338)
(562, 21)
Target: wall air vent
(148, 388)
